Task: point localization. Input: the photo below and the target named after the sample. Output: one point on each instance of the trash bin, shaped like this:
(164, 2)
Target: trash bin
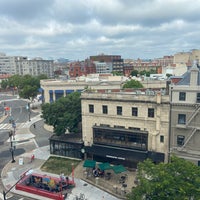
(97, 180)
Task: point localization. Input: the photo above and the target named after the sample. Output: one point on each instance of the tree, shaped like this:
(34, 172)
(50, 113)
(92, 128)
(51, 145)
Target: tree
(116, 73)
(134, 73)
(133, 84)
(64, 114)
(179, 179)
(27, 85)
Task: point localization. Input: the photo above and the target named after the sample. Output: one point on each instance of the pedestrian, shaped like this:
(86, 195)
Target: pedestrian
(34, 125)
(32, 157)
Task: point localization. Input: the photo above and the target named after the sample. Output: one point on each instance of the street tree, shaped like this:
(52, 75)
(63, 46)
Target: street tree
(135, 73)
(63, 114)
(179, 179)
(26, 85)
(133, 84)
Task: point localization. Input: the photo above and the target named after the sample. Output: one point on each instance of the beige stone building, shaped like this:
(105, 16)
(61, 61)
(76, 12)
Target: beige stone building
(185, 116)
(125, 127)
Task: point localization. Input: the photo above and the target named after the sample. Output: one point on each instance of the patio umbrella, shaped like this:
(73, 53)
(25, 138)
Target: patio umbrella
(89, 163)
(118, 169)
(104, 166)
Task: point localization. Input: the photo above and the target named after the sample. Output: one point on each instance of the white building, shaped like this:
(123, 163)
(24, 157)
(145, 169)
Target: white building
(22, 65)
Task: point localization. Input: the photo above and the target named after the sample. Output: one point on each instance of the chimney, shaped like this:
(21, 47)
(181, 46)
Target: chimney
(194, 74)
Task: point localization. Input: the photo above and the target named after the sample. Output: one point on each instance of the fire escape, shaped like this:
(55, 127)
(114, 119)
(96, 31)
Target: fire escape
(193, 129)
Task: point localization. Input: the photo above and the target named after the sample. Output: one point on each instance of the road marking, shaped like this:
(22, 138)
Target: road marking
(5, 126)
(35, 143)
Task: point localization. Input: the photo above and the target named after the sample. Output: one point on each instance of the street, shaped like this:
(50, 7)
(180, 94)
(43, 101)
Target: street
(21, 118)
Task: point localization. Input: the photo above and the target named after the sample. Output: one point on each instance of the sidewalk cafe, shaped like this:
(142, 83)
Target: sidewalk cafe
(114, 176)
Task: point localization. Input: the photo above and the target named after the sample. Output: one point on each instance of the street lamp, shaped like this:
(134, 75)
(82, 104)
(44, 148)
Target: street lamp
(12, 145)
(29, 111)
(21, 177)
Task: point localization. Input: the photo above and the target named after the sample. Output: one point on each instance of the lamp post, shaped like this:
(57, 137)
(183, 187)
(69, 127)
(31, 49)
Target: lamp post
(21, 177)
(73, 173)
(12, 145)
(29, 111)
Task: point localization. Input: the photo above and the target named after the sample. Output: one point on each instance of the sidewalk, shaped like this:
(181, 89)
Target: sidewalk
(12, 171)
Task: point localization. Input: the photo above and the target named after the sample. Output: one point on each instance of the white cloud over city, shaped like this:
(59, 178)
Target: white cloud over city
(76, 29)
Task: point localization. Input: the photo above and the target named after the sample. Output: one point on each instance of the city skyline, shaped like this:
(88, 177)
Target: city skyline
(81, 28)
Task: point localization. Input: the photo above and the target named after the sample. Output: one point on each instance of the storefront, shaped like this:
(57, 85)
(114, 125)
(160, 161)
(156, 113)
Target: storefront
(68, 145)
(117, 156)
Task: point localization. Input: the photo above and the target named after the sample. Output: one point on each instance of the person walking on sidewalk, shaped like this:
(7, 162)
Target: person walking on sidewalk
(32, 157)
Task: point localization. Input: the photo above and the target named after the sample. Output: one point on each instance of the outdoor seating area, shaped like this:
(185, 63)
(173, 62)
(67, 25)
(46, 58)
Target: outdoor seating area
(117, 178)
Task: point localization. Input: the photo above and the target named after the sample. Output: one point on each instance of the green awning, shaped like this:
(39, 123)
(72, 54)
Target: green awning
(118, 169)
(89, 163)
(104, 166)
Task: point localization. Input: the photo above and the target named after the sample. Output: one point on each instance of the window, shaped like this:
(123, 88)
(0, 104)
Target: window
(150, 112)
(134, 111)
(105, 109)
(181, 118)
(198, 97)
(117, 126)
(162, 138)
(119, 110)
(182, 96)
(134, 128)
(180, 140)
(91, 108)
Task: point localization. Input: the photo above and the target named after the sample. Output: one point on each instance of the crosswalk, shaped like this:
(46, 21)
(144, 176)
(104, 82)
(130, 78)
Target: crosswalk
(6, 126)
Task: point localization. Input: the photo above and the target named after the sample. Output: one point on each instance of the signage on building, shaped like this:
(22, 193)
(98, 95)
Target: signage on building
(119, 158)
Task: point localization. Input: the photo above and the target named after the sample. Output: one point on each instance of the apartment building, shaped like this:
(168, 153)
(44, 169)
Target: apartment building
(125, 127)
(81, 68)
(8, 63)
(185, 116)
(112, 63)
(22, 65)
(35, 67)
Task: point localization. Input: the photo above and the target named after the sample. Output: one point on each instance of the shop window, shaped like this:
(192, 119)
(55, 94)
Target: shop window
(181, 118)
(198, 97)
(119, 110)
(105, 109)
(162, 138)
(117, 126)
(151, 112)
(134, 111)
(134, 128)
(182, 96)
(91, 108)
(180, 140)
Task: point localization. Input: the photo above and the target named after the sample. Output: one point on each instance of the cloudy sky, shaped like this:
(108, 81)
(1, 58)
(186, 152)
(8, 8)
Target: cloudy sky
(76, 29)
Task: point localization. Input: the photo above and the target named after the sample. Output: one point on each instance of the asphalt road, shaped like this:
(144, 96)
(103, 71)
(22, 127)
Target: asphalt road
(20, 114)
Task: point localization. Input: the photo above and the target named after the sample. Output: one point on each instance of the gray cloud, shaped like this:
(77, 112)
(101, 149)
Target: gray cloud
(78, 29)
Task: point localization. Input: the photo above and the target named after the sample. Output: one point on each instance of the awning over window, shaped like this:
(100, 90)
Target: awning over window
(89, 163)
(59, 91)
(69, 91)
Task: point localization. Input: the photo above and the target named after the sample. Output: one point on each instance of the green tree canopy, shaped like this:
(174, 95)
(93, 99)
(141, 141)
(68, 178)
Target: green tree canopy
(27, 85)
(63, 114)
(116, 73)
(133, 84)
(177, 180)
(134, 72)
